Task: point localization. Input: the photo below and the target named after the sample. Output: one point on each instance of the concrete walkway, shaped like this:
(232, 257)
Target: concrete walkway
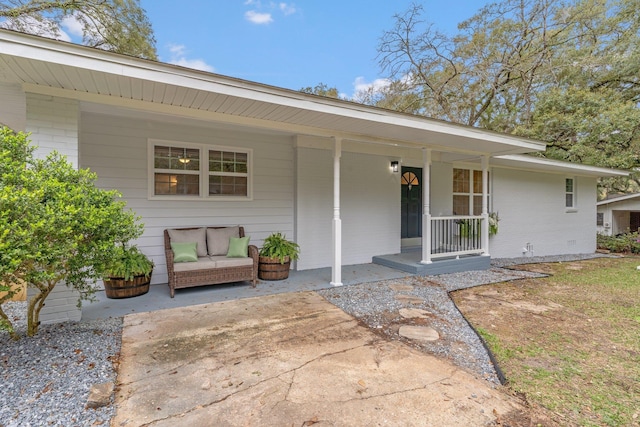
(288, 359)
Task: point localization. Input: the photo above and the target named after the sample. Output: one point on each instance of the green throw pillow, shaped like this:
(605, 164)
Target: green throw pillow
(184, 252)
(238, 247)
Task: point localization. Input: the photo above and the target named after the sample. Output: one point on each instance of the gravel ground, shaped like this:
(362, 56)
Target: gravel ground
(46, 379)
(378, 306)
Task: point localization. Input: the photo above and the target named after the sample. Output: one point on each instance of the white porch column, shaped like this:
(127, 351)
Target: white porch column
(426, 208)
(485, 204)
(336, 269)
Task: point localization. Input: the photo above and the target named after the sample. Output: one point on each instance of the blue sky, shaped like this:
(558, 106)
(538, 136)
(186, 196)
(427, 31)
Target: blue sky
(287, 44)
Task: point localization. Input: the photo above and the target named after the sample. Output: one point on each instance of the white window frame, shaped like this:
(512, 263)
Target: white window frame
(573, 193)
(471, 195)
(204, 173)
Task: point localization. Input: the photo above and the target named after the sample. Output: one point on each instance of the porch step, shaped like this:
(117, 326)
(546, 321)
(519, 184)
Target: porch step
(409, 261)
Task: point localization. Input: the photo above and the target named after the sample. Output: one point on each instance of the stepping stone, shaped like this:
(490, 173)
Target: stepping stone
(419, 333)
(399, 287)
(408, 299)
(414, 313)
(99, 395)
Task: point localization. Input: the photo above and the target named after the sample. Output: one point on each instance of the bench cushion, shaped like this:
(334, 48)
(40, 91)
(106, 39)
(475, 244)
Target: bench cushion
(203, 263)
(197, 235)
(224, 262)
(218, 239)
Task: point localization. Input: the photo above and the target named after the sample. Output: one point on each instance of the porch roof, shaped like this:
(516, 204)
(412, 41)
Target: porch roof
(617, 199)
(99, 77)
(540, 164)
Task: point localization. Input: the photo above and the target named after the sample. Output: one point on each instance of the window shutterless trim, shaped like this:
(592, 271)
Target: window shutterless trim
(203, 172)
(572, 194)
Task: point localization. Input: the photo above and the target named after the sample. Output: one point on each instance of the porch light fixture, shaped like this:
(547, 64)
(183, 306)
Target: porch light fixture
(394, 166)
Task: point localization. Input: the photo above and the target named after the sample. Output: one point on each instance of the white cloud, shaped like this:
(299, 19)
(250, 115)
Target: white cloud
(287, 8)
(72, 25)
(378, 85)
(257, 17)
(178, 57)
(44, 28)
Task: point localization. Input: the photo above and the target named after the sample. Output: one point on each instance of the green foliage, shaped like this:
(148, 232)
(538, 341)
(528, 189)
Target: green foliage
(116, 25)
(622, 243)
(322, 89)
(129, 262)
(567, 73)
(278, 247)
(56, 226)
(471, 227)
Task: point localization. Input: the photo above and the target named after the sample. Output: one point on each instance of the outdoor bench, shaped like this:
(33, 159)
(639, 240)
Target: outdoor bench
(213, 261)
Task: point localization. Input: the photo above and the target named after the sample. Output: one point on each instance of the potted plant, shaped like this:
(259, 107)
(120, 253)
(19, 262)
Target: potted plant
(275, 258)
(128, 273)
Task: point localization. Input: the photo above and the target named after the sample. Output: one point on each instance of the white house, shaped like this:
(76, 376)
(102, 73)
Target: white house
(620, 214)
(347, 182)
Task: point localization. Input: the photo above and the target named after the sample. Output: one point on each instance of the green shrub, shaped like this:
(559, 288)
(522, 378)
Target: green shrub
(621, 243)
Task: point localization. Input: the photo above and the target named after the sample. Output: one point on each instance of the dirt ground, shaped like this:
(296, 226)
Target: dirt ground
(538, 323)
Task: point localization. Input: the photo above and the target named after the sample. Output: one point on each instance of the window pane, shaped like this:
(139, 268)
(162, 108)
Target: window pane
(569, 200)
(461, 181)
(166, 184)
(477, 181)
(228, 186)
(477, 205)
(176, 158)
(599, 219)
(569, 185)
(460, 205)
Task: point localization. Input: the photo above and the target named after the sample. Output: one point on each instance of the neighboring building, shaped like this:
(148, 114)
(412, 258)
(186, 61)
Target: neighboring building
(347, 182)
(619, 214)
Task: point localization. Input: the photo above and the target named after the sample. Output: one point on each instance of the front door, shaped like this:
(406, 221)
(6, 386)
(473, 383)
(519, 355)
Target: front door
(411, 199)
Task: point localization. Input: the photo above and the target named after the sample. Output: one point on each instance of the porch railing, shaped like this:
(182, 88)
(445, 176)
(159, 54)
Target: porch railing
(456, 235)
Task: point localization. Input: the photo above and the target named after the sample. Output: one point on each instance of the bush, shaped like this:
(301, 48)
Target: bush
(56, 226)
(621, 243)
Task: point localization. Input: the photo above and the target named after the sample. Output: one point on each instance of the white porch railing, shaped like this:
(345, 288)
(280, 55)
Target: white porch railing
(456, 235)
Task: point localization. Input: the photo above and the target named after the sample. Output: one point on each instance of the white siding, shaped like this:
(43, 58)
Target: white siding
(116, 149)
(532, 210)
(370, 207)
(441, 189)
(60, 305)
(53, 123)
(13, 108)
(314, 207)
(370, 200)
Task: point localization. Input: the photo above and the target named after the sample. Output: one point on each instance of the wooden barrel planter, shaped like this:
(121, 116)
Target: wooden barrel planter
(120, 288)
(273, 269)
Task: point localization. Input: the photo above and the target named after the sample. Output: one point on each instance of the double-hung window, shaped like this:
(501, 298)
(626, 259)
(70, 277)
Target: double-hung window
(199, 171)
(570, 194)
(467, 192)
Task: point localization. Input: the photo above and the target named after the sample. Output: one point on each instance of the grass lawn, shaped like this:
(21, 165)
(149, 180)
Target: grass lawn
(570, 343)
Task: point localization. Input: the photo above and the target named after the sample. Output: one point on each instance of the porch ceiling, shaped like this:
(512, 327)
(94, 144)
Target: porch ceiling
(57, 68)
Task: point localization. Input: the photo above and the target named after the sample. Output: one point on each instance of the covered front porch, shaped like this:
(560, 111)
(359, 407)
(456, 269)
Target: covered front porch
(409, 260)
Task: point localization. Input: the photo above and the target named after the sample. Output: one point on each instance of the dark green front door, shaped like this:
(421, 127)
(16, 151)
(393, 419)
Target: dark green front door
(411, 199)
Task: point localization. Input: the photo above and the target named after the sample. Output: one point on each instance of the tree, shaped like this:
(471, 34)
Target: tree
(509, 65)
(56, 226)
(598, 128)
(116, 25)
(322, 89)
